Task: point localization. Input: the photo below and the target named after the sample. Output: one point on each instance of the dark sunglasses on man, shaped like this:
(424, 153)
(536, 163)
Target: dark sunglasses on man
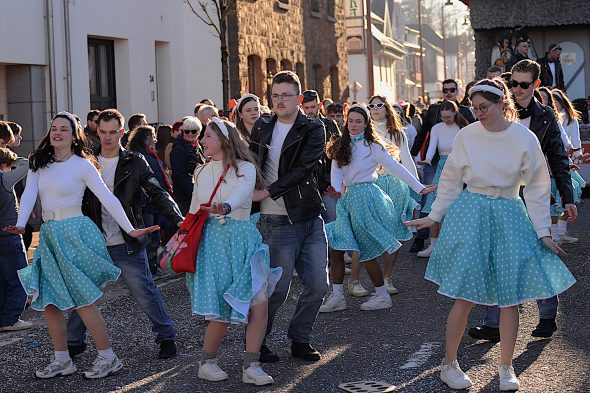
(191, 132)
(379, 105)
(523, 85)
(449, 90)
(335, 108)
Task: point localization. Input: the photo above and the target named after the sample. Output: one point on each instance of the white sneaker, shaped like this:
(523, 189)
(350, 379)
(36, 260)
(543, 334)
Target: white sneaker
(256, 375)
(566, 239)
(210, 371)
(390, 288)
(347, 258)
(454, 377)
(103, 367)
(426, 253)
(356, 289)
(19, 325)
(376, 302)
(334, 303)
(56, 368)
(508, 380)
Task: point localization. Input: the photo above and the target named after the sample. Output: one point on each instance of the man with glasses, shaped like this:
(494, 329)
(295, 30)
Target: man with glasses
(289, 146)
(312, 106)
(450, 90)
(542, 122)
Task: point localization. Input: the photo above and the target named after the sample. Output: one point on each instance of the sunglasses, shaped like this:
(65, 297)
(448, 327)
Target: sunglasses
(450, 90)
(523, 85)
(380, 105)
(191, 132)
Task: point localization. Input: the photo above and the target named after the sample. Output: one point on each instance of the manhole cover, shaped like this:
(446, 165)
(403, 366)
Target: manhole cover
(366, 387)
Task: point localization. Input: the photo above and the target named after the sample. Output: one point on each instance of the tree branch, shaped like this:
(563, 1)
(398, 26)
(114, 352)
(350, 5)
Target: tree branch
(208, 21)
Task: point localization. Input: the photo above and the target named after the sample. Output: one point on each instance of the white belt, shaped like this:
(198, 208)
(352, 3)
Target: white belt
(495, 192)
(62, 213)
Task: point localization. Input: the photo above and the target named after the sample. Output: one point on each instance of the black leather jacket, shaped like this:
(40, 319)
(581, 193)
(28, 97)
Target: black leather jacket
(544, 126)
(324, 170)
(131, 176)
(547, 76)
(302, 151)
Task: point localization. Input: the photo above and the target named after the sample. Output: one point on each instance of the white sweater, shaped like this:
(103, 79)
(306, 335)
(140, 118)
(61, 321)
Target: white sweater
(572, 130)
(504, 159)
(404, 150)
(363, 164)
(62, 184)
(442, 137)
(235, 190)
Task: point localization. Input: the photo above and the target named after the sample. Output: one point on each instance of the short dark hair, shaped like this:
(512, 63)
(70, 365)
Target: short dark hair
(91, 114)
(7, 157)
(310, 95)
(6, 133)
(447, 81)
(206, 101)
(197, 107)
(15, 127)
(135, 120)
(529, 66)
(287, 77)
(110, 114)
(494, 69)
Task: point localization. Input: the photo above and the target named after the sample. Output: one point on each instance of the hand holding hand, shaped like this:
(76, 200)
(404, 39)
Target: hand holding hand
(550, 244)
(15, 230)
(140, 232)
(216, 208)
(420, 223)
(260, 195)
(428, 189)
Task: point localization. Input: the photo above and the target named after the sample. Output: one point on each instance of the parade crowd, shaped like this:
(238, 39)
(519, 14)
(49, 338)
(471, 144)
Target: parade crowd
(485, 187)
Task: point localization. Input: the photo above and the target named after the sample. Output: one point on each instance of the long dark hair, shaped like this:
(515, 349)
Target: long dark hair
(43, 155)
(393, 122)
(139, 138)
(563, 100)
(453, 107)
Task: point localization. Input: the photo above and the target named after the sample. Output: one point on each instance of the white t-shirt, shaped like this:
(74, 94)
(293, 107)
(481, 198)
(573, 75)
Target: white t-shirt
(552, 68)
(271, 169)
(525, 122)
(112, 231)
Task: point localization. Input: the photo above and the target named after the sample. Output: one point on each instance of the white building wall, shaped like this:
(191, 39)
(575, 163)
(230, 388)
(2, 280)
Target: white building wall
(357, 72)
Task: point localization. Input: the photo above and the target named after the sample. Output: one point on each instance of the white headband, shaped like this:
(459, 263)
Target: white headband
(249, 95)
(221, 124)
(363, 107)
(486, 88)
(70, 117)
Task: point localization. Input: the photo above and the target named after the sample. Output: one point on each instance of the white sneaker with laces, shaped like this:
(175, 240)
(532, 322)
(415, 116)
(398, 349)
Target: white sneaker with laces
(356, 289)
(390, 288)
(210, 371)
(56, 368)
(334, 303)
(19, 325)
(426, 253)
(256, 375)
(377, 302)
(566, 239)
(454, 377)
(103, 367)
(508, 380)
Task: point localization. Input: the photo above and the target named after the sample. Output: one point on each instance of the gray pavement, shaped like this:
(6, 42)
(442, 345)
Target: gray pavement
(402, 346)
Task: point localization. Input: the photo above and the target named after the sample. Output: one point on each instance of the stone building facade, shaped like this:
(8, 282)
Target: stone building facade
(304, 36)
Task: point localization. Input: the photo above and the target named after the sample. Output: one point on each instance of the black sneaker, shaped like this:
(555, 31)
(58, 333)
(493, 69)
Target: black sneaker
(167, 349)
(418, 245)
(268, 356)
(485, 333)
(304, 351)
(75, 350)
(545, 328)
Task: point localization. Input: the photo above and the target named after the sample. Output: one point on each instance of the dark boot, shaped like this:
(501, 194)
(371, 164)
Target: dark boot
(485, 333)
(545, 328)
(418, 245)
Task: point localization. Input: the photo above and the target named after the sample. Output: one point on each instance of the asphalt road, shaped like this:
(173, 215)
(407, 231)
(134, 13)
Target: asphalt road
(402, 346)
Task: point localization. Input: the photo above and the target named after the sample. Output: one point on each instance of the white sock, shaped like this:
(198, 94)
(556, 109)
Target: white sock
(62, 356)
(338, 289)
(561, 227)
(382, 290)
(433, 241)
(107, 353)
(554, 232)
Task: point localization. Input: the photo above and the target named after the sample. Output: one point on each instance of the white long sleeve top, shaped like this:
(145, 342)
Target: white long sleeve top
(572, 130)
(567, 143)
(505, 159)
(235, 190)
(404, 150)
(363, 164)
(411, 133)
(62, 184)
(442, 137)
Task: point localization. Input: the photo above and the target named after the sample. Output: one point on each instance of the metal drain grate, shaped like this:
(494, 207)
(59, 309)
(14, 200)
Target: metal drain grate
(367, 387)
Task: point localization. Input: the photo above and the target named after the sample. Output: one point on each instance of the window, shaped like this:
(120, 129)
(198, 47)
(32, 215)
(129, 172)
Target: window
(101, 73)
(286, 65)
(331, 10)
(315, 7)
(318, 80)
(300, 71)
(255, 75)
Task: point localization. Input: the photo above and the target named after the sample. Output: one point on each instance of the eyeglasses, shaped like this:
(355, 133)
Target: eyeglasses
(282, 97)
(450, 90)
(191, 132)
(481, 109)
(380, 105)
(523, 85)
(335, 108)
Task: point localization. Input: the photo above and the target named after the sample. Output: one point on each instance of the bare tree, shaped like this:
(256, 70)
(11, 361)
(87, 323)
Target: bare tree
(214, 13)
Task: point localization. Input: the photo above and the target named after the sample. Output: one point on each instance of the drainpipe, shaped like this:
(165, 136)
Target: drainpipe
(68, 76)
(51, 57)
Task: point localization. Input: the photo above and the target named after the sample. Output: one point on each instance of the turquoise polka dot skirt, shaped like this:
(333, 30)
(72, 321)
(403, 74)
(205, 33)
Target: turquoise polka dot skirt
(404, 204)
(488, 253)
(432, 196)
(233, 271)
(70, 265)
(557, 207)
(578, 183)
(365, 222)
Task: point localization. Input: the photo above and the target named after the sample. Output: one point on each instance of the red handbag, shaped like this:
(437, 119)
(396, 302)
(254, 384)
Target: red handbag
(180, 254)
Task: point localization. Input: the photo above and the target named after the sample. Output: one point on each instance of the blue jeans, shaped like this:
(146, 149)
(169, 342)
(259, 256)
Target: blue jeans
(329, 214)
(547, 310)
(138, 279)
(303, 246)
(12, 295)
(429, 171)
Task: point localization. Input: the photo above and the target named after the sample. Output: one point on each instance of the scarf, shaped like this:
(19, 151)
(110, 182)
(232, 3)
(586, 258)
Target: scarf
(356, 138)
(524, 113)
(164, 172)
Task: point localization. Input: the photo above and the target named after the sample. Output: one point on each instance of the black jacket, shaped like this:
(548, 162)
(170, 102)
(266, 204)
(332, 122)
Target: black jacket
(431, 118)
(544, 126)
(302, 151)
(546, 75)
(131, 176)
(184, 158)
(515, 58)
(324, 170)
